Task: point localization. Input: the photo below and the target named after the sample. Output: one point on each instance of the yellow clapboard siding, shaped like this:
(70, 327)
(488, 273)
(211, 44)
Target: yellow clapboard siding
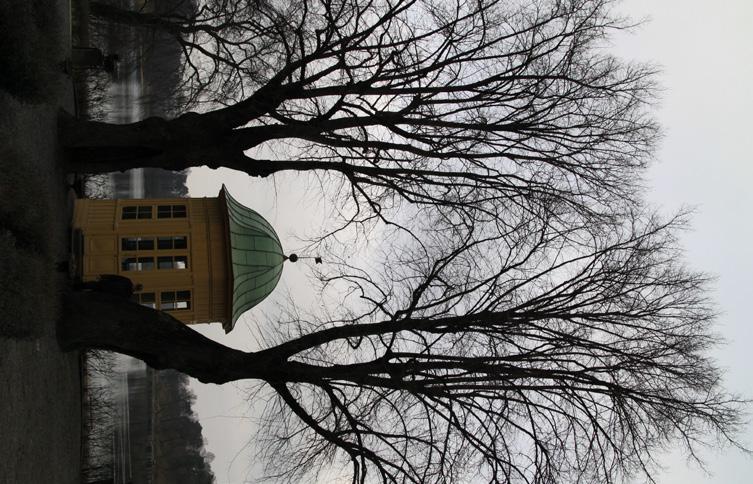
(103, 227)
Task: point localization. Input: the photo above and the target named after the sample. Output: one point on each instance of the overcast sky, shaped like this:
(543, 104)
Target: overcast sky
(705, 50)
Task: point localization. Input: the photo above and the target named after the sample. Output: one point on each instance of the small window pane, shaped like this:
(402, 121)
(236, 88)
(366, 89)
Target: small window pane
(164, 243)
(164, 211)
(146, 244)
(129, 264)
(145, 212)
(181, 305)
(129, 213)
(179, 211)
(146, 263)
(164, 262)
(184, 295)
(181, 262)
(128, 243)
(167, 297)
(145, 299)
(180, 242)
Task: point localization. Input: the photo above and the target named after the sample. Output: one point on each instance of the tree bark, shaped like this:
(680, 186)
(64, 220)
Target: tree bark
(103, 321)
(96, 147)
(93, 320)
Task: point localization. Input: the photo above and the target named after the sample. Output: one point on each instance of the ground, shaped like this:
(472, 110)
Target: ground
(40, 409)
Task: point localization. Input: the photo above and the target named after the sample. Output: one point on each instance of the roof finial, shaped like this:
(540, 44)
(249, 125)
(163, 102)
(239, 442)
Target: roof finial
(294, 257)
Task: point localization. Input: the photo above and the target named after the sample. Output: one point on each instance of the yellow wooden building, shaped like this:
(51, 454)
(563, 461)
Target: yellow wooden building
(201, 259)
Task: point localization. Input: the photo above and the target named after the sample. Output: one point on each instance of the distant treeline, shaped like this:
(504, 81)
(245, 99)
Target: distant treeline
(179, 453)
(164, 442)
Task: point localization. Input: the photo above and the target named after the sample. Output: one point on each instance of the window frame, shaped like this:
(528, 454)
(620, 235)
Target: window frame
(173, 241)
(178, 297)
(137, 242)
(138, 298)
(174, 262)
(136, 212)
(125, 263)
(170, 211)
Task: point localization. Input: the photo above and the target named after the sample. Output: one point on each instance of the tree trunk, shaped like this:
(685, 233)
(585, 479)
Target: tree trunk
(102, 321)
(96, 147)
(93, 320)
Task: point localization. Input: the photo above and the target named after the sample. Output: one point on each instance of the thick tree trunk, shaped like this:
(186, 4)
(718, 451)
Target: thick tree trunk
(188, 141)
(95, 147)
(103, 321)
(94, 320)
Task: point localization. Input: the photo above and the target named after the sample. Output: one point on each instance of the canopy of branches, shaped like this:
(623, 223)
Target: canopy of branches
(527, 320)
(466, 106)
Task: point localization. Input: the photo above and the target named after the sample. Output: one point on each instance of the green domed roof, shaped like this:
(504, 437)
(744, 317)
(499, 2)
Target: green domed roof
(255, 254)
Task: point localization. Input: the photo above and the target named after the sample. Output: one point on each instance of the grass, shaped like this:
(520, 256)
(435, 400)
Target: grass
(26, 295)
(32, 47)
(40, 414)
(29, 282)
(30, 51)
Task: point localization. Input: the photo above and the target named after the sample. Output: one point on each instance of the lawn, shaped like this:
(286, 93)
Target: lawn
(40, 412)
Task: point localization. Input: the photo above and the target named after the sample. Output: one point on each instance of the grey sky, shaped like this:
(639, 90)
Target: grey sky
(705, 50)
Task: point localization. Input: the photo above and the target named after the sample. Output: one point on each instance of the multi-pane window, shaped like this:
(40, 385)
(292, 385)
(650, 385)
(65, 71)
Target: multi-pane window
(133, 212)
(137, 263)
(147, 299)
(145, 247)
(171, 300)
(175, 242)
(171, 211)
(172, 262)
(136, 212)
(137, 243)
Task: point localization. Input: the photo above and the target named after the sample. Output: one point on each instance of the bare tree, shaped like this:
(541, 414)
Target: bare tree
(473, 105)
(508, 332)
(530, 356)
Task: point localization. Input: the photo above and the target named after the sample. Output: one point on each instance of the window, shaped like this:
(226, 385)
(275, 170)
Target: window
(171, 211)
(136, 243)
(137, 263)
(129, 213)
(134, 212)
(172, 262)
(147, 299)
(175, 242)
(172, 300)
(145, 254)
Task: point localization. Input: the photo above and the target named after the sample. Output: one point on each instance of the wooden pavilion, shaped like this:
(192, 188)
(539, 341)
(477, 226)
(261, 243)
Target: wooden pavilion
(201, 259)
